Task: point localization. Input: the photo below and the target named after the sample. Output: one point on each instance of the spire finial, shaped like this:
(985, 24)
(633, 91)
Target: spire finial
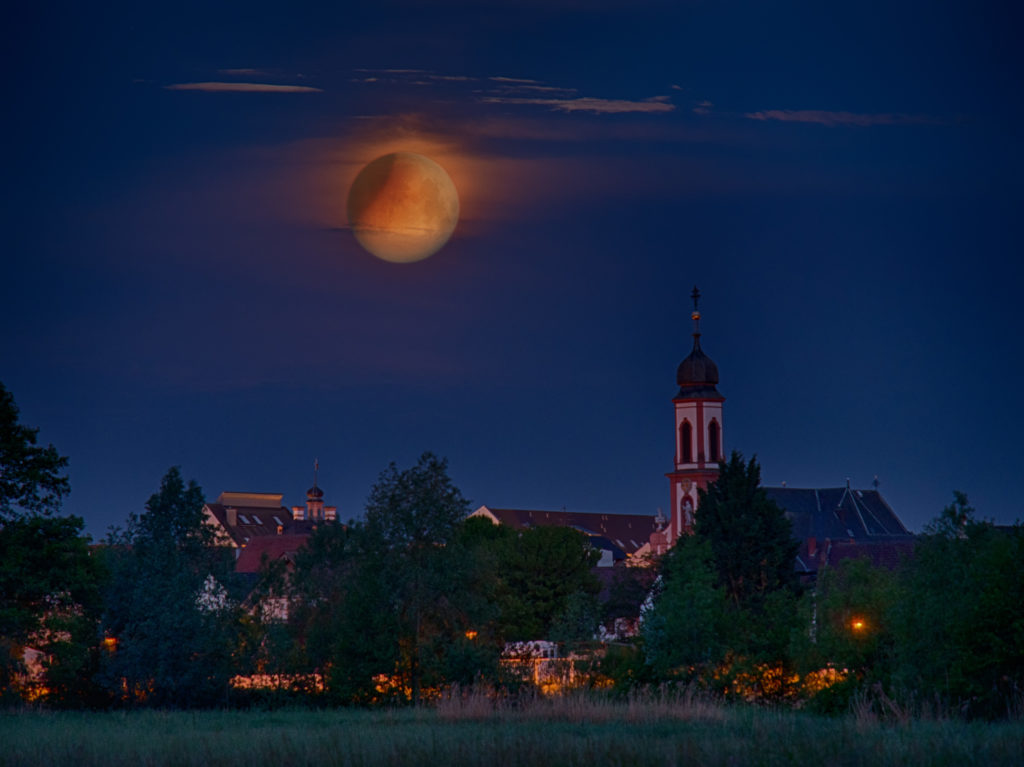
(316, 471)
(695, 295)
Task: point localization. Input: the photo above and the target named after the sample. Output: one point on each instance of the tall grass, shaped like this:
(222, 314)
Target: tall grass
(469, 728)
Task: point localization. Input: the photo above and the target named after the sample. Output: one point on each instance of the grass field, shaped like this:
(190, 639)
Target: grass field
(571, 731)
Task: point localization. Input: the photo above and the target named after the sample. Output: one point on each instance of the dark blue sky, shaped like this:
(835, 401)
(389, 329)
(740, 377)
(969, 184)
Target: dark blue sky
(842, 180)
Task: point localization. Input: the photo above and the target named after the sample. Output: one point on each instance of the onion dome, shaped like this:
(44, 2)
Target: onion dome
(314, 493)
(697, 374)
(698, 368)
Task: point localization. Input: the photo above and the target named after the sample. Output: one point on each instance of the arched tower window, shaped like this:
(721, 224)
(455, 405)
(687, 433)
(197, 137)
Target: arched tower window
(713, 441)
(685, 442)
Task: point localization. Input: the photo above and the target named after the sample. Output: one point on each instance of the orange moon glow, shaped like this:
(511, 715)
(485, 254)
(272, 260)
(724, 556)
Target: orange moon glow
(403, 207)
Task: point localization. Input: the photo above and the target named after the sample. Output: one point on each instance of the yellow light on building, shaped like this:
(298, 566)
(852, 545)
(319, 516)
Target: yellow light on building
(858, 624)
(471, 634)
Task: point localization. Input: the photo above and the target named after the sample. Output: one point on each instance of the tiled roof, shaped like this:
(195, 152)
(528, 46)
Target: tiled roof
(626, 531)
(272, 547)
(251, 521)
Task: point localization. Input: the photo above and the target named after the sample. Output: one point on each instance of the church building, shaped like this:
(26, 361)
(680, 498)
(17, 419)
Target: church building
(831, 524)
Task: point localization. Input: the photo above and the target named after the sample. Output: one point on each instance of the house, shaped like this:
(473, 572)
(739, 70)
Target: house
(260, 528)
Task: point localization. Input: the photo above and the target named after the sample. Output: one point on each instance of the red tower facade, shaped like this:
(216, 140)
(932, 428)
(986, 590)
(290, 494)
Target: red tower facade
(699, 435)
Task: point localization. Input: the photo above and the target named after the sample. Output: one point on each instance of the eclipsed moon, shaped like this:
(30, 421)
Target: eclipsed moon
(403, 207)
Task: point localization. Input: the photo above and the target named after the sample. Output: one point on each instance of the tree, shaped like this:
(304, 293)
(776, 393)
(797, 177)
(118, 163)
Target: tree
(48, 580)
(172, 649)
(49, 601)
(751, 540)
(389, 607)
(686, 632)
(414, 514)
(539, 569)
(31, 479)
(729, 607)
(850, 615)
(959, 629)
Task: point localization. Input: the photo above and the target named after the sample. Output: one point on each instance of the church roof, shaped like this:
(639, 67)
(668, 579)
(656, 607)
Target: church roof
(833, 524)
(628, 532)
(838, 512)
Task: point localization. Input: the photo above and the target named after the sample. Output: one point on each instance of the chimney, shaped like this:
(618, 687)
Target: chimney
(232, 513)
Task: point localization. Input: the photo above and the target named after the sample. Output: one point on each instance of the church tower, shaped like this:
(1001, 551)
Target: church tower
(698, 432)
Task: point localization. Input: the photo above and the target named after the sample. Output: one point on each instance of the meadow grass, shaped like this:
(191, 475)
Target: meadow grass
(473, 729)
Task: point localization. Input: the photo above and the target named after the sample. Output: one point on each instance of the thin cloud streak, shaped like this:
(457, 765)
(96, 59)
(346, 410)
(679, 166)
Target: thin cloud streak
(833, 119)
(220, 87)
(587, 104)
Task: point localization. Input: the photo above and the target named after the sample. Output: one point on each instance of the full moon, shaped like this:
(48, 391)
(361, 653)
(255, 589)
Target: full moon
(403, 207)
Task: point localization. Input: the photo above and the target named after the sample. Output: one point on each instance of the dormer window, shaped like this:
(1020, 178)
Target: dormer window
(258, 522)
(245, 519)
(278, 521)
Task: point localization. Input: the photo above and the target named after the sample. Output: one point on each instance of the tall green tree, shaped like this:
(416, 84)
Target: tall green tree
(728, 603)
(49, 582)
(32, 478)
(391, 606)
(173, 646)
(751, 540)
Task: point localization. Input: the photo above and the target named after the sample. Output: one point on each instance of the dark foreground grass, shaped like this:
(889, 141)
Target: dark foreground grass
(544, 733)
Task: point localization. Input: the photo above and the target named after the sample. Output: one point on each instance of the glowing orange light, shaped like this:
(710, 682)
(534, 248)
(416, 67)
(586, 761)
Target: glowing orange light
(858, 624)
(471, 634)
(110, 643)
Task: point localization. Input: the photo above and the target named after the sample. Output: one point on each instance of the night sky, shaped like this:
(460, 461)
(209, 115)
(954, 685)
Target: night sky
(842, 180)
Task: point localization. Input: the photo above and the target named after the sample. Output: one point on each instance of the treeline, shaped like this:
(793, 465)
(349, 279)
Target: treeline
(416, 598)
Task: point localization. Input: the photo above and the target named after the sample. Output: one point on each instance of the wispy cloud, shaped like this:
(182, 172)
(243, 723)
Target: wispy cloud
(588, 104)
(222, 87)
(243, 71)
(394, 71)
(703, 108)
(524, 80)
(832, 119)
